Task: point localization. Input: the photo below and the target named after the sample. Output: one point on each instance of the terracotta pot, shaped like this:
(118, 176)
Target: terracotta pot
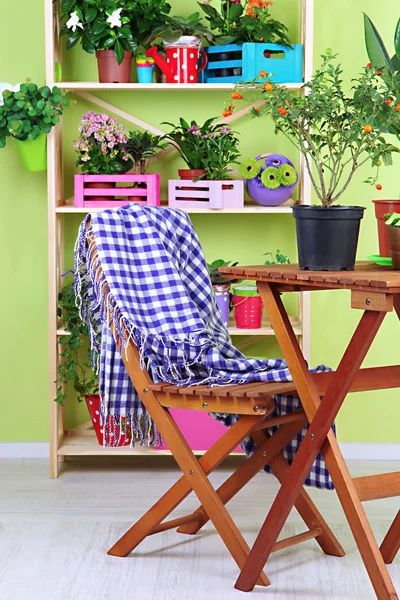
(102, 185)
(190, 174)
(110, 71)
(394, 241)
(383, 207)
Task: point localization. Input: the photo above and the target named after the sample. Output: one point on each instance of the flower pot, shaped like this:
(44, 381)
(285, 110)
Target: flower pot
(393, 234)
(221, 291)
(268, 197)
(110, 71)
(247, 307)
(145, 73)
(33, 153)
(382, 207)
(108, 435)
(327, 237)
(101, 185)
(182, 64)
(190, 174)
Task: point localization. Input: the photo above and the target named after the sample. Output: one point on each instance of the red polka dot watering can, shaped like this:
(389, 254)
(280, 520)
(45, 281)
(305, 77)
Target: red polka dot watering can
(182, 64)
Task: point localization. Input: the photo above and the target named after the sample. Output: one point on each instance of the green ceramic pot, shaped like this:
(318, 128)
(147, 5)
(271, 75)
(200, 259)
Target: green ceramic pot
(33, 153)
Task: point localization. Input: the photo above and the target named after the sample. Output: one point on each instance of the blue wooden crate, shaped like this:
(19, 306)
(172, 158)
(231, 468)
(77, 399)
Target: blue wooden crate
(284, 64)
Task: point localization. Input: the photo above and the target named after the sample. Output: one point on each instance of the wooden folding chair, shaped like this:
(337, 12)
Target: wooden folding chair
(254, 405)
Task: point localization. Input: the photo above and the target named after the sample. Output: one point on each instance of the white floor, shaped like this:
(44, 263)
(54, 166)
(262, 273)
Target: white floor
(54, 535)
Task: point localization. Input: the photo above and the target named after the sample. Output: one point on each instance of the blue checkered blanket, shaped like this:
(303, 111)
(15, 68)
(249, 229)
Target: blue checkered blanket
(160, 296)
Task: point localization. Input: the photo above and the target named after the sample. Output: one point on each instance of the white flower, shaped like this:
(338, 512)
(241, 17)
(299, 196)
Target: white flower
(115, 18)
(74, 22)
(7, 86)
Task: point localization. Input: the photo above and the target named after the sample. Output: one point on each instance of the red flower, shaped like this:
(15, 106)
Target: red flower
(369, 65)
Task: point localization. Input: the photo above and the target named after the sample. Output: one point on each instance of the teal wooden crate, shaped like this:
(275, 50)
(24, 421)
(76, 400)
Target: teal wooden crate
(243, 63)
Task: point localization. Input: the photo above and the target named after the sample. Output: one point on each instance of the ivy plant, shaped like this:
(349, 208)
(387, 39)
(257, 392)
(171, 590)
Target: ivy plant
(99, 25)
(30, 111)
(72, 369)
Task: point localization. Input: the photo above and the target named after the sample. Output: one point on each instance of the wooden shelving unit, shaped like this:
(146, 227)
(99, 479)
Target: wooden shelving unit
(82, 441)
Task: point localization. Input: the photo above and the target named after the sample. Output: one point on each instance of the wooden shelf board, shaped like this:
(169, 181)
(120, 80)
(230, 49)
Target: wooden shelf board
(247, 210)
(266, 329)
(76, 443)
(155, 87)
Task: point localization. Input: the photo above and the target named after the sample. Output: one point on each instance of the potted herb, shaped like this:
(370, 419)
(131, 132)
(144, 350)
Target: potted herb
(389, 69)
(28, 113)
(393, 232)
(182, 40)
(277, 259)
(221, 286)
(270, 178)
(142, 147)
(336, 133)
(207, 149)
(100, 149)
(102, 27)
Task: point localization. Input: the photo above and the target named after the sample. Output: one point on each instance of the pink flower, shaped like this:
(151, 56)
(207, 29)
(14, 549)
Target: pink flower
(103, 148)
(110, 144)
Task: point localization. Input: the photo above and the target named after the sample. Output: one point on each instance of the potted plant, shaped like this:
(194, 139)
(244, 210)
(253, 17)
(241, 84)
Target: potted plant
(207, 149)
(277, 259)
(28, 113)
(251, 40)
(337, 134)
(100, 149)
(182, 40)
(142, 147)
(76, 368)
(102, 27)
(270, 178)
(389, 69)
(221, 286)
(393, 231)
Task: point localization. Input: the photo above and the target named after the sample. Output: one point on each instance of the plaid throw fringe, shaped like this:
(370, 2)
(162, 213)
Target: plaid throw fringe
(160, 295)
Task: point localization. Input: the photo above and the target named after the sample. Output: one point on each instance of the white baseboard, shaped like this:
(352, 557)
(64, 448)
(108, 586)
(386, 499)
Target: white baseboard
(370, 451)
(351, 450)
(24, 449)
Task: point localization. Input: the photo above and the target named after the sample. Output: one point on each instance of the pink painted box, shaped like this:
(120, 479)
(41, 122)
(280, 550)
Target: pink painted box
(199, 429)
(205, 194)
(121, 192)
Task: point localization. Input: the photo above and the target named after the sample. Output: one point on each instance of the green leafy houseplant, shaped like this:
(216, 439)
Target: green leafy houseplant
(250, 22)
(145, 17)
(32, 110)
(335, 132)
(175, 27)
(100, 146)
(278, 258)
(211, 146)
(99, 25)
(216, 278)
(142, 147)
(71, 368)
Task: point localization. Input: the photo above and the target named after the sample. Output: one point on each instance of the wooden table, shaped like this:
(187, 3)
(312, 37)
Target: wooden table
(376, 291)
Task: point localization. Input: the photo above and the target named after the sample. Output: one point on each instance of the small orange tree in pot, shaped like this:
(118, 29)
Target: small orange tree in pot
(336, 133)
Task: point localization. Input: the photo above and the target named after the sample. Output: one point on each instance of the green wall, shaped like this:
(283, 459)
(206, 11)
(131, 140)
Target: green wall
(23, 227)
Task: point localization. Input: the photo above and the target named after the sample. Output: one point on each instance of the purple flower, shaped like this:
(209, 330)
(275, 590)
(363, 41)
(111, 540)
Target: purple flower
(192, 129)
(225, 130)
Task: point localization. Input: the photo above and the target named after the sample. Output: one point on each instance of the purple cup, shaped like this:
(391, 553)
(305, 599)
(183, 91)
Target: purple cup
(267, 197)
(222, 299)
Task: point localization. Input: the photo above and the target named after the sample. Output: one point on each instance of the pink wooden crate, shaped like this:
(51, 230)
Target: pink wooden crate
(150, 194)
(199, 429)
(205, 194)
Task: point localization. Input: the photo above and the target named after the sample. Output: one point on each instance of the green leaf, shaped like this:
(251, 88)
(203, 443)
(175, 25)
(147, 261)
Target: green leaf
(209, 10)
(108, 42)
(67, 6)
(72, 40)
(397, 38)
(119, 52)
(395, 62)
(376, 49)
(91, 14)
(45, 91)
(235, 11)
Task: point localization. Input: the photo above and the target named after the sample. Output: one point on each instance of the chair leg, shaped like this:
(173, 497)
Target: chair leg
(269, 453)
(391, 544)
(182, 488)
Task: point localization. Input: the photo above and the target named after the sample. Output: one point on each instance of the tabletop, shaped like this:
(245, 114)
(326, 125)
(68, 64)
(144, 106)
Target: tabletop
(367, 276)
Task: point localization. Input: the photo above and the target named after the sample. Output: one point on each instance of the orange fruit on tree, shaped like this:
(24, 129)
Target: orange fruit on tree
(368, 128)
(397, 107)
(226, 113)
(262, 74)
(378, 187)
(268, 86)
(388, 101)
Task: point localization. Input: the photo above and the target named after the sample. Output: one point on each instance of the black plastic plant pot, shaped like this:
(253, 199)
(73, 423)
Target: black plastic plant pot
(327, 238)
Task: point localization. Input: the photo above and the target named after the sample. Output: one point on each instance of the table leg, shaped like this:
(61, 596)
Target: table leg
(319, 429)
